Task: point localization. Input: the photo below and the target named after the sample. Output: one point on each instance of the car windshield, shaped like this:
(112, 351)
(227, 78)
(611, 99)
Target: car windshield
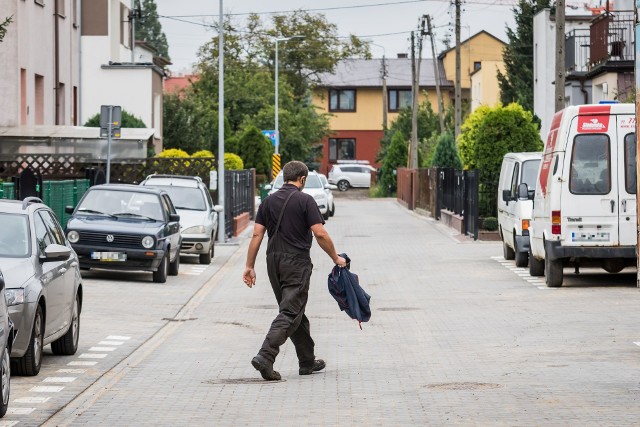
(185, 197)
(323, 179)
(313, 181)
(14, 230)
(120, 203)
(530, 173)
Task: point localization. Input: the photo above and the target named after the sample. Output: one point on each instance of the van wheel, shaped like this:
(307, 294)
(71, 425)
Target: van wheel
(553, 272)
(522, 258)
(536, 266)
(507, 252)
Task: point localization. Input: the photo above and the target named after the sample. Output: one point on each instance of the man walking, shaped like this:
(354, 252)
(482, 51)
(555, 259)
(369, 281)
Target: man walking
(289, 216)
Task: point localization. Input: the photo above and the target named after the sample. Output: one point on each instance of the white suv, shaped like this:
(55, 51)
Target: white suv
(346, 175)
(198, 214)
(313, 186)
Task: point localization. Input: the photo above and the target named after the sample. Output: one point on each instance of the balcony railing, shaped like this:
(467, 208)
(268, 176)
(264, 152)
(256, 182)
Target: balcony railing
(610, 38)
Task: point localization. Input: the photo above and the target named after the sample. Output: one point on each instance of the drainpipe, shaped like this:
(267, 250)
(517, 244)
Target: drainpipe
(56, 73)
(584, 91)
(79, 62)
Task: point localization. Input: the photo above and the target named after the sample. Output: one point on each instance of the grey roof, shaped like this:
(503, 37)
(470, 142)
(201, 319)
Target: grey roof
(367, 73)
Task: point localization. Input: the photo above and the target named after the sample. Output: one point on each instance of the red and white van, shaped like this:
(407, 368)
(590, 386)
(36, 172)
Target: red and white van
(584, 210)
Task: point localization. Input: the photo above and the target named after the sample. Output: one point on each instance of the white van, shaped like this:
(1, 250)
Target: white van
(584, 210)
(517, 182)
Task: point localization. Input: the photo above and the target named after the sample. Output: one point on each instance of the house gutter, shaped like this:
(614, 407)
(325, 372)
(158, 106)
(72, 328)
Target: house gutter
(56, 74)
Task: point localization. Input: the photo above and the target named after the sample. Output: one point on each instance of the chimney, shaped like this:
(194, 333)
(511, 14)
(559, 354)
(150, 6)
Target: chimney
(402, 56)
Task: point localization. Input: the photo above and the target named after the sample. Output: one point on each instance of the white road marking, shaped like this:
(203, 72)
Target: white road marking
(32, 399)
(111, 343)
(46, 389)
(102, 348)
(20, 411)
(59, 380)
(80, 363)
(8, 423)
(118, 338)
(637, 343)
(548, 288)
(93, 355)
(191, 274)
(72, 371)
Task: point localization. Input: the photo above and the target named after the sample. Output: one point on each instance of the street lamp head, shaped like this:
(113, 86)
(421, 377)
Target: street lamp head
(284, 39)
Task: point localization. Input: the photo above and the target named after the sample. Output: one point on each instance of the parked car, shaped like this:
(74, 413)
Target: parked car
(346, 175)
(43, 287)
(516, 184)
(8, 335)
(198, 213)
(126, 227)
(327, 188)
(584, 209)
(313, 186)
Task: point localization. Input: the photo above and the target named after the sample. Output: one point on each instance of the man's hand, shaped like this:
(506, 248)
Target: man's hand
(249, 277)
(339, 261)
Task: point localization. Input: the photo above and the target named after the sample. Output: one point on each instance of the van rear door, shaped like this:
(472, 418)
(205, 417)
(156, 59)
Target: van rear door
(589, 201)
(627, 180)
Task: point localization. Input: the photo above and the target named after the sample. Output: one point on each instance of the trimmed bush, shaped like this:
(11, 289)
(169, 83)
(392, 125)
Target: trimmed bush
(490, 223)
(232, 162)
(203, 153)
(173, 152)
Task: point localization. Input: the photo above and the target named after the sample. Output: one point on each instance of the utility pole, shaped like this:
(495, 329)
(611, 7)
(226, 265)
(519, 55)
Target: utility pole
(132, 18)
(384, 93)
(458, 90)
(413, 142)
(436, 70)
(222, 234)
(559, 89)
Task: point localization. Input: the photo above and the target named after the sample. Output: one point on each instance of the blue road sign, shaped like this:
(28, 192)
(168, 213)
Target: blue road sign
(271, 134)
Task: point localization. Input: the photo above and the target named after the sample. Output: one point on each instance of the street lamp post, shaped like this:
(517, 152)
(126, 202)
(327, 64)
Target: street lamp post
(281, 39)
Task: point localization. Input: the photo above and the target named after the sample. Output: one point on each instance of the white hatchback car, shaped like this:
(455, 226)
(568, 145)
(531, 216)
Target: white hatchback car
(198, 214)
(313, 186)
(346, 175)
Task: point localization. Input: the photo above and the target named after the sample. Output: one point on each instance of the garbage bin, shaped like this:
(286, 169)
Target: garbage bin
(264, 192)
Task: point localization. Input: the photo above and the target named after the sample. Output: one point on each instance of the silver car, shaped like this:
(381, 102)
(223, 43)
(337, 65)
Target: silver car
(198, 214)
(43, 286)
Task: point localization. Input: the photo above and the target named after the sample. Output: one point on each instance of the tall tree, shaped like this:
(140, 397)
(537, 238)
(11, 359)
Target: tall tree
(3, 27)
(149, 29)
(516, 85)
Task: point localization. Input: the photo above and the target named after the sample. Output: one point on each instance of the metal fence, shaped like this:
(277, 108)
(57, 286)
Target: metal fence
(239, 196)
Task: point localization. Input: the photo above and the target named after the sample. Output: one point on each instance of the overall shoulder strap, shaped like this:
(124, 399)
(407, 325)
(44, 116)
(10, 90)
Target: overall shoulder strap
(282, 212)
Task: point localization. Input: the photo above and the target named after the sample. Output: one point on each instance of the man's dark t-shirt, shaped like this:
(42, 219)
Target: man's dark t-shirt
(301, 214)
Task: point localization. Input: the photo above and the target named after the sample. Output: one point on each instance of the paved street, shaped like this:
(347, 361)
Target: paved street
(457, 336)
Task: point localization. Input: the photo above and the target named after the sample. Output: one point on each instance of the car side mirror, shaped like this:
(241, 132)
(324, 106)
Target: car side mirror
(55, 252)
(506, 196)
(68, 209)
(523, 191)
(218, 208)
(174, 217)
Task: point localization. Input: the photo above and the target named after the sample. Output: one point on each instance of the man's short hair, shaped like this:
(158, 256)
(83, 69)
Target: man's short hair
(294, 170)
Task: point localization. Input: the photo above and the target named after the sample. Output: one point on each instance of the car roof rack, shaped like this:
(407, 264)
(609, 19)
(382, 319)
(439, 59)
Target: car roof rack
(28, 200)
(161, 175)
(353, 162)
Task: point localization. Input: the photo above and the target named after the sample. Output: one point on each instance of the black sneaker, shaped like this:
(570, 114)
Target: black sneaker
(266, 368)
(318, 365)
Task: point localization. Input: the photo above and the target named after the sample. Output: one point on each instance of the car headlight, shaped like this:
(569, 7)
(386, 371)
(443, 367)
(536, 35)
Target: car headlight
(73, 236)
(148, 242)
(14, 296)
(197, 229)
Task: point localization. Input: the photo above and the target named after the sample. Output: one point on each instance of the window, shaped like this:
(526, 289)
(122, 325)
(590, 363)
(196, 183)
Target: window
(514, 180)
(530, 173)
(399, 98)
(477, 65)
(24, 108)
(43, 238)
(590, 165)
(54, 229)
(14, 230)
(630, 171)
(342, 149)
(342, 100)
(61, 8)
(125, 32)
(39, 101)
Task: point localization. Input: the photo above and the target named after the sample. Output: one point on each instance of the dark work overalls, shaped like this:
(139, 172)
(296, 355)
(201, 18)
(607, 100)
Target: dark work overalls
(289, 271)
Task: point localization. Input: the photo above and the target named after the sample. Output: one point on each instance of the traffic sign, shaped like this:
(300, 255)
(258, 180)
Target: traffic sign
(271, 134)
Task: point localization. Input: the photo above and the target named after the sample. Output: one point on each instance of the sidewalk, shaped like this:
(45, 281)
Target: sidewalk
(454, 338)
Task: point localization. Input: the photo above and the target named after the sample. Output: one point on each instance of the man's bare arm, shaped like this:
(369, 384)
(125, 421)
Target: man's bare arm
(325, 242)
(249, 275)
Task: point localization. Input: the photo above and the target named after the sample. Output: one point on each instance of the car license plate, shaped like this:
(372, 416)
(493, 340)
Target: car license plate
(590, 237)
(109, 256)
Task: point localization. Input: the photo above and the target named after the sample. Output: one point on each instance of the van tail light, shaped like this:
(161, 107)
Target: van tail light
(556, 228)
(525, 227)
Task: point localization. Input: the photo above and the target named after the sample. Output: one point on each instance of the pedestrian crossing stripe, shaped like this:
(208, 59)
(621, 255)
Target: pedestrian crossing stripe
(275, 165)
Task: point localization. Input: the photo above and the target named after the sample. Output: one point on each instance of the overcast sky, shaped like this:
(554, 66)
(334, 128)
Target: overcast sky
(377, 24)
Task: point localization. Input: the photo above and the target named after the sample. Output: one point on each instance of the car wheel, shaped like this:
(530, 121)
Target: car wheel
(174, 267)
(30, 363)
(507, 252)
(522, 258)
(343, 185)
(206, 258)
(553, 272)
(67, 344)
(325, 215)
(333, 210)
(536, 266)
(5, 380)
(160, 276)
